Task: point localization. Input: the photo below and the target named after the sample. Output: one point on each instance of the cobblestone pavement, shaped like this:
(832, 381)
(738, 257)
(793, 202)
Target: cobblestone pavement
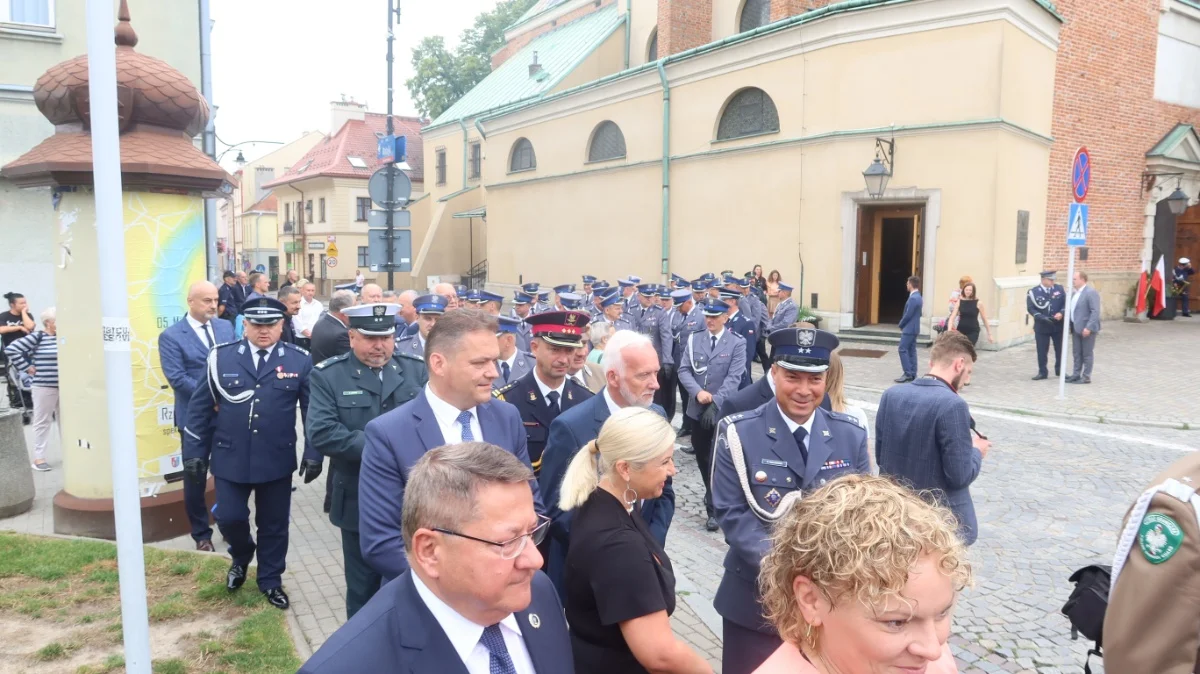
(1138, 367)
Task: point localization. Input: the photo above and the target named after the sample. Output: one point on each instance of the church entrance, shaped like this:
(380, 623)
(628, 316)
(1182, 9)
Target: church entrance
(890, 249)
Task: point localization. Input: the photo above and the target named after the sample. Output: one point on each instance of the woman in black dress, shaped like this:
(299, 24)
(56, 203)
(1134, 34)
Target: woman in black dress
(970, 315)
(620, 587)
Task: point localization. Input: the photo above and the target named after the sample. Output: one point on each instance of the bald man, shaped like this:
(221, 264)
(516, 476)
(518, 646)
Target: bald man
(447, 290)
(371, 294)
(183, 352)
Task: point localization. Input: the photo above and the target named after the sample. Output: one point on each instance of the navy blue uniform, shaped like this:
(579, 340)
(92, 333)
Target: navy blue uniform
(243, 422)
(536, 412)
(747, 327)
(1044, 304)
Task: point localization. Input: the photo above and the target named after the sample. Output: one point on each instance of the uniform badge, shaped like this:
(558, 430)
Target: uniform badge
(773, 498)
(279, 374)
(825, 433)
(760, 476)
(1159, 537)
(532, 397)
(569, 396)
(771, 431)
(534, 621)
(806, 337)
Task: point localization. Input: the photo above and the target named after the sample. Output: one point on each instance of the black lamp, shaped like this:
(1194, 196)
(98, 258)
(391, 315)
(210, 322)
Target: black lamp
(880, 170)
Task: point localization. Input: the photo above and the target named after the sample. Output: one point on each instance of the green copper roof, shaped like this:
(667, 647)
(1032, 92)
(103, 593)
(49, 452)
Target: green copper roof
(558, 52)
(1171, 140)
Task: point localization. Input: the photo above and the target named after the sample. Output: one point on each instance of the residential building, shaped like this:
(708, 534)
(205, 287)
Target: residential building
(322, 199)
(658, 136)
(35, 35)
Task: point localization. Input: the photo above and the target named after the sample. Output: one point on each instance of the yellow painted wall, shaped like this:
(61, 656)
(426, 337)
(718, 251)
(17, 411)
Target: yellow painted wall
(608, 58)
(644, 19)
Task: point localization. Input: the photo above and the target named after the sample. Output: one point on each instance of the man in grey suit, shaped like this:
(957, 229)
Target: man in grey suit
(923, 432)
(1085, 325)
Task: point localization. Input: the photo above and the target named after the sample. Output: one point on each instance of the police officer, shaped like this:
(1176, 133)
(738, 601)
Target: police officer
(663, 339)
(513, 363)
(348, 391)
(628, 290)
(672, 325)
(429, 308)
(744, 326)
(1046, 303)
(522, 304)
(1152, 623)
(613, 309)
(710, 370)
(645, 313)
(546, 391)
(586, 295)
(559, 291)
(785, 312)
(243, 426)
(694, 322)
(543, 302)
(1181, 278)
(599, 288)
(763, 459)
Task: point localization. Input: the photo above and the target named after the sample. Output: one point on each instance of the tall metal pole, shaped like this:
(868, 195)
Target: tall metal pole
(210, 140)
(1066, 338)
(114, 312)
(389, 206)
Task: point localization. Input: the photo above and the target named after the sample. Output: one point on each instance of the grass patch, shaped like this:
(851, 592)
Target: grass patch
(173, 606)
(261, 644)
(111, 664)
(52, 651)
(172, 666)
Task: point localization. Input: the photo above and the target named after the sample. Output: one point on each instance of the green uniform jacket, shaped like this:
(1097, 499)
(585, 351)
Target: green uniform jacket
(344, 396)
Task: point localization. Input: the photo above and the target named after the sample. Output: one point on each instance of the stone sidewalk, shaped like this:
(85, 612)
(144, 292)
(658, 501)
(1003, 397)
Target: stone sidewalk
(1144, 375)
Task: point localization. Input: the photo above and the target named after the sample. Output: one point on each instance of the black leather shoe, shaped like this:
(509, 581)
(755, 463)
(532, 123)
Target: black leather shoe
(1085, 380)
(1072, 379)
(277, 597)
(688, 449)
(236, 577)
(205, 545)
(711, 524)
(683, 432)
(1040, 376)
(904, 379)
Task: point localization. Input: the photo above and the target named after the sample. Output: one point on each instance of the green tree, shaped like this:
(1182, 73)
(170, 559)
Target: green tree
(441, 77)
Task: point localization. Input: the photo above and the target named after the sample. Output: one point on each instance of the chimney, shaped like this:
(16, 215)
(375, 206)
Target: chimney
(343, 111)
(535, 67)
(683, 25)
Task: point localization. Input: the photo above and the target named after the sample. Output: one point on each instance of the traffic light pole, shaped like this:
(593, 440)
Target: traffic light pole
(391, 281)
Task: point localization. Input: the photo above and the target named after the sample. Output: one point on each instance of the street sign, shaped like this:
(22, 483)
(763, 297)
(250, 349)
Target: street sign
(1077, 225)
(1081, 174)
(332, 250)
(331, 262)
(391, 149)
(262, 269)
(378, 184)
(378, 219)
(377, 251)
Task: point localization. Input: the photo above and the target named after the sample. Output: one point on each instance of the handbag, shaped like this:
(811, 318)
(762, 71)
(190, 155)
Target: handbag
(1086, 606)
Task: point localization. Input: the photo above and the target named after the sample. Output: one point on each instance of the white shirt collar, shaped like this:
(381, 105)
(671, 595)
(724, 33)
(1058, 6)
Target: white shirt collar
(771, 382)
(463, 634)
(913, 292)
(196, 325)
(511, 360)
(446, 413)
(792, 425)
(719, 335)
(612, 404)
(546, 389)
(733, 315)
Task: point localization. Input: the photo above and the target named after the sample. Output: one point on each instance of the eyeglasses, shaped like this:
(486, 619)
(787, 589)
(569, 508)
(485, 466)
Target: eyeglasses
(513, 547)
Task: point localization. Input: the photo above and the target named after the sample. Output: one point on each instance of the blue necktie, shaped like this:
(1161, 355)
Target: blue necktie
(262, 362)
(553, 397)
(800, 434)
(500, 662)
(506, 370)
(464, 418)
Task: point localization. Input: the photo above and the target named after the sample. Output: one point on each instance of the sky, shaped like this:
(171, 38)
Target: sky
(277, 64)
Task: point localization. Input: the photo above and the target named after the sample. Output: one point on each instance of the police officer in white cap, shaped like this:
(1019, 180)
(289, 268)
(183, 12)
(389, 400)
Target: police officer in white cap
(1182, 280)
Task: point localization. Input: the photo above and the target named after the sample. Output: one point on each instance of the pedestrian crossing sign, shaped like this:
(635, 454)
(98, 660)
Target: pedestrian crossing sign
(1077, 225)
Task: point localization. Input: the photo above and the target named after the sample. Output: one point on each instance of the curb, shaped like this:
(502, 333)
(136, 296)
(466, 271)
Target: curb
(303, 650)
(1092, 418)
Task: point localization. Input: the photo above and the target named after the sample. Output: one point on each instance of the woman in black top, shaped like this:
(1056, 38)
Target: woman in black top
(970, 315)
(620, 587)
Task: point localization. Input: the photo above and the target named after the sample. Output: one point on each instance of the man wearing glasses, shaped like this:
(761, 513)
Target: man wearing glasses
(455, 406)
(473, 601)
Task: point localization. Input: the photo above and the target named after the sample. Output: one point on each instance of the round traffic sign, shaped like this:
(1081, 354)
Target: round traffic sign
(1081, 174)
(377, 186)
(262, 269)
(331, 262)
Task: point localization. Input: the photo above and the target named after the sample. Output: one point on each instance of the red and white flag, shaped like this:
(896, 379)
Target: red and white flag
(1158, 281)
(1140, 304)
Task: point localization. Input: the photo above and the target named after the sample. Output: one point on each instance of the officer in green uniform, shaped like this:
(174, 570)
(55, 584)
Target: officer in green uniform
(347, 391)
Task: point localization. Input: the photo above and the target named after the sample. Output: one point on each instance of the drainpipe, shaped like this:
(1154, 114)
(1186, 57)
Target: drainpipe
(628, 20)
(463, 124)
(302, 255)
(479, 127)
(666, 170)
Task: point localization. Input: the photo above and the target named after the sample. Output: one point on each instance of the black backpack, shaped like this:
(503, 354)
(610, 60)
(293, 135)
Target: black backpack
(1086, 606)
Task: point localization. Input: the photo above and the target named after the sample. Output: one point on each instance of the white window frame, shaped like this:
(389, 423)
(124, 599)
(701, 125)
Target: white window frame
(6, 16)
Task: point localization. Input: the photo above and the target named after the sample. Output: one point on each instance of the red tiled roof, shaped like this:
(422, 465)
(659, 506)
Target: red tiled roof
(357, 138)
(268, 204)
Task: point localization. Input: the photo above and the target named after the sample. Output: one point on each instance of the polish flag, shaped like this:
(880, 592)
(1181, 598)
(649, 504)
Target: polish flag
(1140, 304)
(1158, 281)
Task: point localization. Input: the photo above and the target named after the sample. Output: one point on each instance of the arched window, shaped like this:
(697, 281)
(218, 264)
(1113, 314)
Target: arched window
(652, 52)
(755, 13)
(523, 158)
(607, 143)
(750, 111)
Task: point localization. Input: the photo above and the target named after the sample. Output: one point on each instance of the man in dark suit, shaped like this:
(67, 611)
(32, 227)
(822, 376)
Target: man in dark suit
(456, 406)
(1085, 325)
(474, 600)
(331, 336)
(631, 369)
(546, 391)
(923, 431)
(183, 352)
(910, 327)
(744, 325)
(290, 297)
(229, 297)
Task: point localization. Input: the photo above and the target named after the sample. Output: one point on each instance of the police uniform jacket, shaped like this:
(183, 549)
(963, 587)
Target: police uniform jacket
(756, 466)
(718, 371)
(622, 323)
(345, 396)
(691, 322)
(663, 336)
(1043, 303)
(785, 316)
(747, 328)
(522, 365)
(1153, 619)
(748, 305)
(243, 423)
(536, 415)
(231, 297)
(524, 337)
(412, 346)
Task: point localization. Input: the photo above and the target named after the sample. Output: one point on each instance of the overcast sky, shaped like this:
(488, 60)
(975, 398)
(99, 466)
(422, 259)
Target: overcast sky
(277, 64)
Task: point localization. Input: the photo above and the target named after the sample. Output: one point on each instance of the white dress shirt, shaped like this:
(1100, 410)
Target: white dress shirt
(792, 426)
(465, 635)
(447, 419)
(254, 349)
(1075, 300)
(612, 405)
(310, 313)
(719, 335)
(200, 328)
(546, 389)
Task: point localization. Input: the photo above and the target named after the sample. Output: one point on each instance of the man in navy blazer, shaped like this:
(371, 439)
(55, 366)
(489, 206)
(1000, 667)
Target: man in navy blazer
(473, 600)
(910, 327)
(923, 432)
(183, 353)
(456, 406)
(631, 367)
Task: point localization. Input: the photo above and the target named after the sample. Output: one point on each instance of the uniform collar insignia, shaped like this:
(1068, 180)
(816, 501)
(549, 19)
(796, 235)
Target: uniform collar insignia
(825, 432)
(771, 430)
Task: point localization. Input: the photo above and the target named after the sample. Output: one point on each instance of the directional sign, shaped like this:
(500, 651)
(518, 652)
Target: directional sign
(377, 252)
(262, 269)
(331, 262)
(1077, 225)
(378, 219)
(1081, 174)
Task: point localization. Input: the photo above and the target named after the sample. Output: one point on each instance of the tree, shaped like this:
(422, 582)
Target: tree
(441, 77)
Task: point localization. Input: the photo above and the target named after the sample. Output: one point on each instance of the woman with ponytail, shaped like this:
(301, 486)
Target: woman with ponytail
(620, 587)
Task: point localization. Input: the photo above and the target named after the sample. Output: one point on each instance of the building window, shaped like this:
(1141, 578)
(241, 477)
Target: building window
(308, 211)
(476, 161)
(749, 112)
(1022, 237)
(321, 208)
(607, 143)
(362, 256)
(28, 12)
(523, 158)
(300, 214)
(364, 207)
(441, 167)
(652, 52)
(755, 13)
(287, 212)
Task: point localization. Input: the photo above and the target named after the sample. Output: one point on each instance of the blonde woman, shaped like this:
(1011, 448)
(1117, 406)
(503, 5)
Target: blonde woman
(862, 576)
(835, 391)
(620, 586)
